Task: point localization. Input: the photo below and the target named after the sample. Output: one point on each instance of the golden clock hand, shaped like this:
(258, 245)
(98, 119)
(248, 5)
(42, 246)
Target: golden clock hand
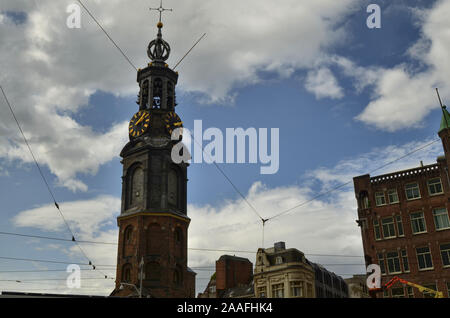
(140, 119)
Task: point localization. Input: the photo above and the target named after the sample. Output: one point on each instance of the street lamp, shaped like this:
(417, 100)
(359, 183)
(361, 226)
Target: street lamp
(132, 285)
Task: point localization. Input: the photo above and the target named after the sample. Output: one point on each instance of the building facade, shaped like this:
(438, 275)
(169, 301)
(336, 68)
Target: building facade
(233, 279)
(153, 223)
(232, 271)
(404, 222)
(357, 286)
(327, 284)
(283, 273)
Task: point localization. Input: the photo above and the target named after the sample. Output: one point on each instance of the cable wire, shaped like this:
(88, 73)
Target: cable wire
(190, 248)
(44, 179)
(109, 37)
(346, 183)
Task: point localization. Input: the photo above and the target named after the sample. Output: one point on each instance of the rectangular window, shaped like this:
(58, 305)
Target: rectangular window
(376, 228)
(424, 258)
(381, 263)
(405, 261)
(400, 232)
(393, 196)
(427, 294)
(445, 254)
(386, 293)
(380, 198)
(410, 292)
(297, 289)
(441, 219)
(393, 262)
(412, 191)
(388, 227)
(435, 186)
(278, 291)
(398, 292)
(262, 292)
(418, 223)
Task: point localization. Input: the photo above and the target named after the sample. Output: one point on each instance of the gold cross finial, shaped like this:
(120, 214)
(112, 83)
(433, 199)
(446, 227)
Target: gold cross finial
(161, 10)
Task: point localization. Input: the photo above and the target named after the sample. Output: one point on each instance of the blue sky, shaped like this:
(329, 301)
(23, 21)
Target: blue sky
(328, 83)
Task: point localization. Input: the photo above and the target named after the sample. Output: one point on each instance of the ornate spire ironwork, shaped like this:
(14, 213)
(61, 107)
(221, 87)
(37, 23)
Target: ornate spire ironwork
(159, 50)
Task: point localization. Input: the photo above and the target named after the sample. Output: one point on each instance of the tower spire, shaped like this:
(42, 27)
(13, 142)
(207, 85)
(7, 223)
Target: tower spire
(445, 115)
(159, 50)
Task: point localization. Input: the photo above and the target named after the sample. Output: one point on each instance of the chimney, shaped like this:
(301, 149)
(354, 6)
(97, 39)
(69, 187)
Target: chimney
(279, 246)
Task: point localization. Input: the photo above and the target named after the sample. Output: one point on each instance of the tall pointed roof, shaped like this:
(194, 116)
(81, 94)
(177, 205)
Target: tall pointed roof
(445, 121)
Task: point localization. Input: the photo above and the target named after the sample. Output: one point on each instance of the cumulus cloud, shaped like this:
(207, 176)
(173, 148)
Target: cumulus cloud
(90, 220)
(50, 71)
(323, 84)
(402, 96)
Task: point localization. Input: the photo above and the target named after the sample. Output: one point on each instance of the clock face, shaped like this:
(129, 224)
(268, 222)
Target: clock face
(139, 123)
(173, 121)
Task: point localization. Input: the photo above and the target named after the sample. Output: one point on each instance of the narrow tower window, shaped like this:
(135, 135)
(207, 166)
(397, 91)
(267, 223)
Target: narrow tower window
(126, 273)
(145, 94)
(136, 184)
(157, 93)
(173, 187)
(170, 95)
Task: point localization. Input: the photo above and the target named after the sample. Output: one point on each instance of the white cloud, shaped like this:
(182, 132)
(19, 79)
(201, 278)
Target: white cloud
(323, 84)
(402, 96)
(90, 220)
(86, 217)
(49, 71)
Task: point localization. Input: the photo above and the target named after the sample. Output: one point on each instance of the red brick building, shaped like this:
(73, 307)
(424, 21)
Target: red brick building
(405, 225)
(232, 271)
(233, 278)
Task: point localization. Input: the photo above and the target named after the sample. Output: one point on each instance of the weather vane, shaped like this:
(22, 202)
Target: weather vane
(161, 10)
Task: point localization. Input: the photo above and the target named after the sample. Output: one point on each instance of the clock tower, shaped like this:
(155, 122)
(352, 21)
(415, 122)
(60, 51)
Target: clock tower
(153, 224)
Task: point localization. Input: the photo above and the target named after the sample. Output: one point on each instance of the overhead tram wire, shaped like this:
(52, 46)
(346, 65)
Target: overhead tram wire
(48, 279)
(346, 183)
(50, 261)
(189, 51)
(113, 266)
(190, 248)
(45, 181)
(55, 238)
(109, 37)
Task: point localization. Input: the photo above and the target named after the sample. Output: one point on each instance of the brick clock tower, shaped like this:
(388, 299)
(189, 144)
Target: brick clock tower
(152, 252)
